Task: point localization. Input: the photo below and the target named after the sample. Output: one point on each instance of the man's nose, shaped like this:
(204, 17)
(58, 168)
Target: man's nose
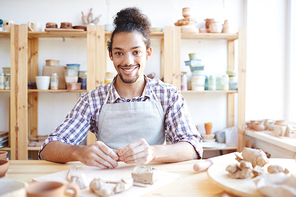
(128, 59)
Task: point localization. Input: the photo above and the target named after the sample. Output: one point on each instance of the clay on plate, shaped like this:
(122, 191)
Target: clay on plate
(146, 175)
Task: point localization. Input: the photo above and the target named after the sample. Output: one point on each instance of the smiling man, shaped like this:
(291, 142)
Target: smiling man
(131, 115)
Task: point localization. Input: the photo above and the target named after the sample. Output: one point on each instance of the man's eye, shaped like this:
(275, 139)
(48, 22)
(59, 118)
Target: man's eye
(118, 53)
(137, 52)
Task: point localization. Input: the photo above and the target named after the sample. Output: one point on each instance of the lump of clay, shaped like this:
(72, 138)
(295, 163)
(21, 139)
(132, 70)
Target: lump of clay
(273, 169)
(255, 156)
(240, 171)
(258, 171)
(146, 175)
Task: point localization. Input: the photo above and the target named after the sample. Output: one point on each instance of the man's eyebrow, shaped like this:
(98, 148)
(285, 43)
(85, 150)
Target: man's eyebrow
(118, 48)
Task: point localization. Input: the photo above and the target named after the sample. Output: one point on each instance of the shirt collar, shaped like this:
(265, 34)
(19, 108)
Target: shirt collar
(114, 96)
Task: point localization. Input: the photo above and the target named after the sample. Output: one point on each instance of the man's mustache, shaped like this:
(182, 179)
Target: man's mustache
(128, 66)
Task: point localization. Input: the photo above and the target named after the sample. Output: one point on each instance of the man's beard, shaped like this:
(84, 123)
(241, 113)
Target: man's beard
(132, 80)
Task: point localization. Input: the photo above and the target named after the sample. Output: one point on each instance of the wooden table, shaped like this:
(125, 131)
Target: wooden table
(190, 183)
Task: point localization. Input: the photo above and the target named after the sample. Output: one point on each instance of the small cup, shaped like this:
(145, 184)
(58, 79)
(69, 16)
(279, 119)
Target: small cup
(42, 82)
(45, 189)
(208, 127)
(66, 25)
(4, 165)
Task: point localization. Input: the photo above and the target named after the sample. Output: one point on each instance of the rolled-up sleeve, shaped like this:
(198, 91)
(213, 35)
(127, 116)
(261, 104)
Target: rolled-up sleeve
(179, 124)
(74, 128)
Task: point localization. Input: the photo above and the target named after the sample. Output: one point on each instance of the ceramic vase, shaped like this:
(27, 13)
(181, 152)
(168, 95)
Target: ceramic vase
(208, 127)
(259, 126)
(208, 22)
(186, 12)
(215, 27)
(226, 27)
(252, 124)
(3, 155)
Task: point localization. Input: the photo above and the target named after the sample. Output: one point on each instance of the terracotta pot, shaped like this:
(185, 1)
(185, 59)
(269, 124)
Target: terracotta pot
(215, 27)
(208, 127)
(281, 122)
(259, 126)
(186, 12)
(3, 155)
(66, 25)
(252, 124)
(51, 25)
(51, 188)
(208, 22)
(4, 165)
(226, 27)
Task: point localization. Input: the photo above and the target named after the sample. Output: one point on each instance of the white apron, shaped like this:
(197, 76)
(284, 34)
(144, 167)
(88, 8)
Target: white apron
(122, 123)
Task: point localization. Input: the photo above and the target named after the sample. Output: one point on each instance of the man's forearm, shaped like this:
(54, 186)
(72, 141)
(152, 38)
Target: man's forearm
(181, 151)
(59, 152)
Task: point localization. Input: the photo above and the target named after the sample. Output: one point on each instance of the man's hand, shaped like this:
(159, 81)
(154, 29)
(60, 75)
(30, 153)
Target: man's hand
(97, 154)
(138, 151)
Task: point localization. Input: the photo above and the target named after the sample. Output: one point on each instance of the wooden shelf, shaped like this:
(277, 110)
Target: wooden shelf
(225, 148)
(54, 91)
(5, 148)
(211, 36)
(34, 148)
(210, 91)
(4, 90)
(4, 34)
(267, 136)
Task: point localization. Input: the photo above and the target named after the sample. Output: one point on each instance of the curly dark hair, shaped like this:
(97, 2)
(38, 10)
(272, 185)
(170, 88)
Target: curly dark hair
(128, 20)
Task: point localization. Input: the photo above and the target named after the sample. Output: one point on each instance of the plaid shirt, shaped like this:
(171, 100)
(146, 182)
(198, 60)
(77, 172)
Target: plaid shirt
(84, 116)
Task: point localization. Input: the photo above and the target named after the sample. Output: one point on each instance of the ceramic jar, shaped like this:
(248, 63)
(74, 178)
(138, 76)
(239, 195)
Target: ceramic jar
(3, 155)
(186, 12)
(215, 27)
(51, 25)
(66, 25)
(4, 165)
(259, 126)
(208, 22)
(252, 124)
(226, 27)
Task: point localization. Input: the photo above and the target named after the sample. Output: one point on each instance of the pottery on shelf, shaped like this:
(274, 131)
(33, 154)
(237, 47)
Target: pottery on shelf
(186, 12)
(226, 27)
(259, 126)
(252, 124)
(215, 27)
(208, 22)
(4, 165)
(281, 122)
(208, 127)
(3, 155)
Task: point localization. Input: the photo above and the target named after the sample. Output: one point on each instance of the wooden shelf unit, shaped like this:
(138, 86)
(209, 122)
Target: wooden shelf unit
(172, 74)
(24, 68)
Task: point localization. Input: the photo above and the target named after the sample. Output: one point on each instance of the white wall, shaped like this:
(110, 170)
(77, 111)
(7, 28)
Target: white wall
(266, 51)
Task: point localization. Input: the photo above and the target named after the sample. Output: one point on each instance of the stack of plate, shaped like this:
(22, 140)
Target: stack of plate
(3, 139)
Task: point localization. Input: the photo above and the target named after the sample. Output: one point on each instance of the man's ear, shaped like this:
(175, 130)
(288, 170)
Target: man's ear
(148, 53)
(110, 56)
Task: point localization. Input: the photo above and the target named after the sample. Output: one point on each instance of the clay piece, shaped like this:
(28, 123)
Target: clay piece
(273, 169)
(74, 176)
(243, 170)
(258, 171)
(278, 184)
(146, 175)
(99, 186)
(255, 156)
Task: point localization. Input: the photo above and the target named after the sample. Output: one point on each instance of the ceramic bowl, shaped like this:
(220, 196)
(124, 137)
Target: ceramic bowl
(208, 137)
(11, 188)
(4, 165)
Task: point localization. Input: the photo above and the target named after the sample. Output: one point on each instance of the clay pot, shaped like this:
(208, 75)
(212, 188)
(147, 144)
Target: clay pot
(186, 12)
(208, 22)
(3, 155)
(51, 25)
(215, 27)
(12, 188)
(46, 189)
(259, 126)
(208, 127)
(281, 122)
(252, 124)
(4, 165)
(66, 25)
(226, 27)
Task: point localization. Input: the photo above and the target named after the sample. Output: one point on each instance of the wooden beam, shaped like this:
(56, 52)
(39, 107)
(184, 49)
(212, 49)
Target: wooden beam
(91, 67)
(172, 40)
(19, 97)
(242, 55)
(101, 55)
(230, 97)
